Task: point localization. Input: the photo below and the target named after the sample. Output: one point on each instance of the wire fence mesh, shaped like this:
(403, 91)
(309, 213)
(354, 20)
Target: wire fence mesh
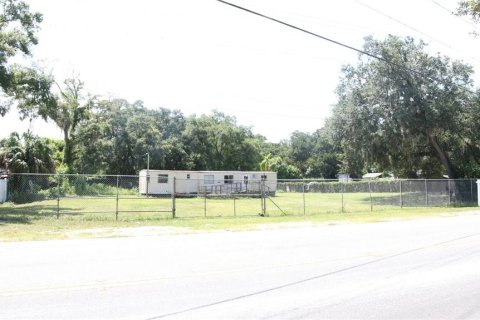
(97, 196)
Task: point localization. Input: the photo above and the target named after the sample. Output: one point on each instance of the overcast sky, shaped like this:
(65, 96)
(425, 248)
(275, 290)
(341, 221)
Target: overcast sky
(200, 55)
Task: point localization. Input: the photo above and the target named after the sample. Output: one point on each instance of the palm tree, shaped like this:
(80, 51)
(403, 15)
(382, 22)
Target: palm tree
(28, 153)
(12, 154)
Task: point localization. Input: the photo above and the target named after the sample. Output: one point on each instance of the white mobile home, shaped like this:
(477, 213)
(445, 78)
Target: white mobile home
(161, 182)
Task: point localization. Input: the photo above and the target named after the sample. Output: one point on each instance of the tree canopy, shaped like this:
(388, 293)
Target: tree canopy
(27, 153)
(38, 95)
(118, 135)
(469, 8)
(402, 116)
(18, 27)
(217, 142)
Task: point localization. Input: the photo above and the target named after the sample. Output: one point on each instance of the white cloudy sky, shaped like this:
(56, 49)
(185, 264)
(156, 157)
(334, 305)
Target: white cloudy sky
(200, 55)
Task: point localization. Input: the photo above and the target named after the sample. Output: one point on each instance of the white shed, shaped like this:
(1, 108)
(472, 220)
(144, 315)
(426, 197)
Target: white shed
(206, 182)
(372, 175)
(3, 190)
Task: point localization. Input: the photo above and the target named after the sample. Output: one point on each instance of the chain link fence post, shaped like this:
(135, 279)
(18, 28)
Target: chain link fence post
(234, 206)
(263, 198)
(174, 206)
(401, 194)
(304, 204)
(471, 191)
(449, 193)
(116, 203)
(426, 193)
(370, 191)
(58, 196)
(205, 203)
(148, 173)
(343, 191)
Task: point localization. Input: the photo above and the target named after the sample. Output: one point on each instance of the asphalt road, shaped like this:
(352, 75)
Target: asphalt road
(427, 269)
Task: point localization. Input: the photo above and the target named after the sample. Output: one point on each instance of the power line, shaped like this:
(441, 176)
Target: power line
(305, 31)
(402, 23)
(413, 28)
(332, 41)
(453, 13)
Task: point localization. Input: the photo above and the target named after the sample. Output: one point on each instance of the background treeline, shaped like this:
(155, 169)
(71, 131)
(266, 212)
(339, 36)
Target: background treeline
(400, 110)
(114, 137)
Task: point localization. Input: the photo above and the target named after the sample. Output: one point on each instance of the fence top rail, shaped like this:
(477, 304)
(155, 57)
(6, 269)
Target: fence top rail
(75, 175)
(309, 180)
(368, 180)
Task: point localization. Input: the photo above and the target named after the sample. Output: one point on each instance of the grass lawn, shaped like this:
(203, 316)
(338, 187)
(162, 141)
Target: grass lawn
(96, 217)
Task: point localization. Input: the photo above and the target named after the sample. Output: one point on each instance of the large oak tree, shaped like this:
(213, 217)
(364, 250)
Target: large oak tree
(404, 112)
(469, 8)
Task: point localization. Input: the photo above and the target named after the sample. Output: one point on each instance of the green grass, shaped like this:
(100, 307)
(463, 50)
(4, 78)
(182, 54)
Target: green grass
(84, 217)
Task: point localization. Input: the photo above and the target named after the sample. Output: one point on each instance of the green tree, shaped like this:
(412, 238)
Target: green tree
(312, 155)
(217, 142)
(301, 148)
(118, 135)
(17, 35)
(324, 161)
(401, 116)
(267, 164)
(27, 154)
(469, 8)
(279, 165)
(465, 143)
(12, 154)
(69, 110)
(66, 105)
(105, 144)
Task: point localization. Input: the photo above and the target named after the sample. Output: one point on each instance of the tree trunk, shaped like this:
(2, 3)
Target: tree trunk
(442, 156)
(67, 152)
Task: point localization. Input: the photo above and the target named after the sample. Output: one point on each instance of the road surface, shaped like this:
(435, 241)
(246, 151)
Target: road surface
(427, 269)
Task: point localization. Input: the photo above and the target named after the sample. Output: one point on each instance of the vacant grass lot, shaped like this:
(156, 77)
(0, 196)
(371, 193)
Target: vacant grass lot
(98, 216)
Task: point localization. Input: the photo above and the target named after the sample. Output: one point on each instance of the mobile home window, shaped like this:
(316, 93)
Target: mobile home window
(188, 175)
(228, 178)
(163, 178)
(264, 177)
(208, 179)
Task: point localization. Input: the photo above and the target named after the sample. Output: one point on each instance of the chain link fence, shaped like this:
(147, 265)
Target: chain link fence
(325, 196)
(106, 196)
(72, 195)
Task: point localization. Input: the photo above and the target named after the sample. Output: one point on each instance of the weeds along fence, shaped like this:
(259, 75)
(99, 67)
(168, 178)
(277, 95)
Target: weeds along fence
(113, 196)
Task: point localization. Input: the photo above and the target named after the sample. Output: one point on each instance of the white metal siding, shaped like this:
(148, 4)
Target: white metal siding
(3, 190)
(196, 183)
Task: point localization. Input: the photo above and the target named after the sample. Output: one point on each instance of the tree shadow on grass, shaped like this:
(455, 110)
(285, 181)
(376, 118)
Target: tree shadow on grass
(28, 214)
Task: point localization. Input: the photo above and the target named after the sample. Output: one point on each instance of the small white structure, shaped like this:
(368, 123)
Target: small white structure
(3, 190)
(344, 178)
(161, 182)
(372, 175)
